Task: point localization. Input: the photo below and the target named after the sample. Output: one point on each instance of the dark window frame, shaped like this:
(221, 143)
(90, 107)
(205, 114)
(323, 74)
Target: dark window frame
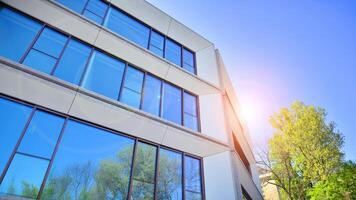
(94, 48)
(68, 117)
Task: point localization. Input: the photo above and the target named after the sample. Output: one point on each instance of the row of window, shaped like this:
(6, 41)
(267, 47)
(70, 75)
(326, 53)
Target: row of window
(124, 25)
(36, 45)
(53, 157)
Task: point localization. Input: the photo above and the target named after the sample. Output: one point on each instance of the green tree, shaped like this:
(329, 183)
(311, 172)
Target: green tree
(304, 150)
(341, 185)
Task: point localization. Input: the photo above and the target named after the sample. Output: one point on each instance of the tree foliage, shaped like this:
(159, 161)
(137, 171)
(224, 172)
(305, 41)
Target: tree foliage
(304, 150)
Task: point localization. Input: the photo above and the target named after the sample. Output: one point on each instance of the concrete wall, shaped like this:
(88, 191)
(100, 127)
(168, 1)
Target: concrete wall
(219, 183)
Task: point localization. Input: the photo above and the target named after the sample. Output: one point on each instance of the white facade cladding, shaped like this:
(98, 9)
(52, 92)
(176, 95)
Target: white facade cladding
(204, 129)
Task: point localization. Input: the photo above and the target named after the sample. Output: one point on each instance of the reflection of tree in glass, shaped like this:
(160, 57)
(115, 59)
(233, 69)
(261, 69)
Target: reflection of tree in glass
(86, 181)
(27, 190)
(144, 172)
(170, 177)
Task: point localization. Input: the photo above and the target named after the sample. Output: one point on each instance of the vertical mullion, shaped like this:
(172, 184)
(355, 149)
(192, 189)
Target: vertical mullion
(85, 7)
(181, 55)
(161, 101)
(202, 182)
(52, 159)
(143, 89)
(198, 112)
(60, 55)
(195, 64)
(106, 13)
(182, 106)
(183, 176)
(122, 81)
(164, 46)
(17, 145)
(156, 172)
(132, 169)
(32, 44)
(149, 39)
(86, 67)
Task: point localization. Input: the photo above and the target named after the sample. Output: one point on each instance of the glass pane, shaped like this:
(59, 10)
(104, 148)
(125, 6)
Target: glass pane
(13, 117)
(152, 95)
(170, 175)
(91, 163)
(144, 171)
(132, 87)
(188, 60)
(156, 43)
(93, 16)
(77, 5)
(173, 52)
(172, 103)
(104, 75)
(190, 104)
(97, 7)
(191, 122)
(192, 196)
(130, 97)
(17, 33)
(40, 61)
(24, 177)
(72, 64)
(51, 42)
(127, 27)
(192, 175)
(41, 135)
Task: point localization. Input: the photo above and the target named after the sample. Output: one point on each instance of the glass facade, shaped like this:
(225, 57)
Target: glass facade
(134, 30)
(49, 51)
(50, 156)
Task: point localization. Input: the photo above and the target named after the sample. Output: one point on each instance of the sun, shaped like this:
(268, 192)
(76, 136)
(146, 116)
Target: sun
(250, 111)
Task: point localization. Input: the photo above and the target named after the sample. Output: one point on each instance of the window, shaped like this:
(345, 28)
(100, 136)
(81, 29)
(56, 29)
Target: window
(90, 162)
(192, 178)
(144, 172)
(173, 52)
(156, 43)
(17, 33)
(77, 5)
(45, 53)
(69, 59)
(169, 184)
(134, 30)
(28, 167)
(188, 61)
(127, 27)
(92, 9)
(13, 117)
(241, 154)
(104, 75)
(132, 87)
(172, 103)
(95, 10)
(72, 63)
(41, 135)
(152, 95)
(190, 111)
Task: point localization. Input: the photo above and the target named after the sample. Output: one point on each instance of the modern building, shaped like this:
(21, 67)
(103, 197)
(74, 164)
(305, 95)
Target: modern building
(116, 100)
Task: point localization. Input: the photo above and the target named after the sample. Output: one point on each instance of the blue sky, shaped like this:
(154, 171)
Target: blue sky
(281, 51)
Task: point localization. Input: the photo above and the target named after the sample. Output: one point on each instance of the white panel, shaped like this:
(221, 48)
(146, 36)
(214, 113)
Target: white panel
(219, 183)
(207, 67)
(212, 116)
(114, 117)
(36, 90)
